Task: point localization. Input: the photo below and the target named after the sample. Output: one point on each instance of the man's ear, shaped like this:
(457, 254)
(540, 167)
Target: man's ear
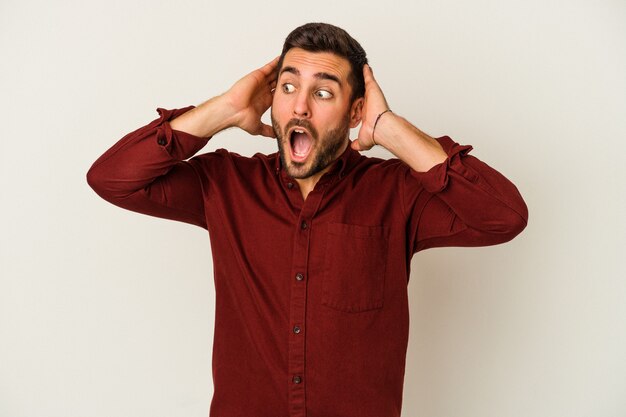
(356, 112)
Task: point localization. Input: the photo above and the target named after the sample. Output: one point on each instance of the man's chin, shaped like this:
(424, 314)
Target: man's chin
(296, 169)
(299, 170)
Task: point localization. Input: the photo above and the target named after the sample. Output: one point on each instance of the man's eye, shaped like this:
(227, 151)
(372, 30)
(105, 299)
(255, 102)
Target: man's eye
(323, 94)
(288, 88)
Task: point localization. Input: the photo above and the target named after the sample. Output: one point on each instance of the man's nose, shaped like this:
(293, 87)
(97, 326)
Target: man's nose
(301, 105)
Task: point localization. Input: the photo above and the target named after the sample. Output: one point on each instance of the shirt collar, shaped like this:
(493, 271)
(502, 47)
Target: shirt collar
(346, 161)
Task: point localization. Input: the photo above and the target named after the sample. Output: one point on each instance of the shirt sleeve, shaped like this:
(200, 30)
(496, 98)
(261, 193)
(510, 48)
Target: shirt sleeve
(146, 171)
(461, 202)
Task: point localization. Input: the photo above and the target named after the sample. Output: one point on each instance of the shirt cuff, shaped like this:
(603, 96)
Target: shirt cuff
(435, 179)
(178, 144)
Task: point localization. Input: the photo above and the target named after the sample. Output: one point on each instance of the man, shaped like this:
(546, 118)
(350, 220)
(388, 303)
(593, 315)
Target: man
(312, 245)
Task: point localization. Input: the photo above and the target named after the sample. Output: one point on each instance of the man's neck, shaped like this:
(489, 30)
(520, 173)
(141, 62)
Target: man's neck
(308, 184)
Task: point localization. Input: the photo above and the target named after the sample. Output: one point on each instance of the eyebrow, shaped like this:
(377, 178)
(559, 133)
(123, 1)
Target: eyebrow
(319, 75)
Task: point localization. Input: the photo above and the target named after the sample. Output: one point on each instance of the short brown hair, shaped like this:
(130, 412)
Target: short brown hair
(324, 37)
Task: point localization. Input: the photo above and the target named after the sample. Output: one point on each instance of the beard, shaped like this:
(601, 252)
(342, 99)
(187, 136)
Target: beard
(323, 152)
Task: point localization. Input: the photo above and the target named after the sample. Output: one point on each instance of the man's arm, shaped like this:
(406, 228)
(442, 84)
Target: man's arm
(454, 199)
(147, 170)
(411, 145)
(241, 106)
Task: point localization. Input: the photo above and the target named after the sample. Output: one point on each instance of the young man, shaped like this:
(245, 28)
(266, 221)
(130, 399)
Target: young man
(312, 245)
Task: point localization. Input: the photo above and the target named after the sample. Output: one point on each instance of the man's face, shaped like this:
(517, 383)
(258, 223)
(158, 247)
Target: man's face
(311, 111)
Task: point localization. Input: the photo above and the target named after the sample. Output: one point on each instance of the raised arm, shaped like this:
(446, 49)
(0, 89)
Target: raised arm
(242, 106)
(147, 170)
(450, 198)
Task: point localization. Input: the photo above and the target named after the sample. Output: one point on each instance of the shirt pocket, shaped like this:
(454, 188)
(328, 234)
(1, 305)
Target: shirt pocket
(355, 266)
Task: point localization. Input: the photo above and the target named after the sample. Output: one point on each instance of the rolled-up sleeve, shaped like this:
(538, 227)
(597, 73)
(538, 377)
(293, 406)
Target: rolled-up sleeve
(461, 201)
(146, 171)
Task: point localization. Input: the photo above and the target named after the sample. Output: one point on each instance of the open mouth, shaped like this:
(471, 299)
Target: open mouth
(301, 144)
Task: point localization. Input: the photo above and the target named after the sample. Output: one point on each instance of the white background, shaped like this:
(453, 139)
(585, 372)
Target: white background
(105, 312)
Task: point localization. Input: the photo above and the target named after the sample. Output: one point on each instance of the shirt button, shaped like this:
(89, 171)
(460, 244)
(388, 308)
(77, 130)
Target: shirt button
(297, 379)
(303, 225)
(297, 330)
(299, 276)
(161, 141)
(290, 185)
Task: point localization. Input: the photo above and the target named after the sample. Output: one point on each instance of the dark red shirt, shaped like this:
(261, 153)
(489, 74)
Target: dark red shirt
(312, 313)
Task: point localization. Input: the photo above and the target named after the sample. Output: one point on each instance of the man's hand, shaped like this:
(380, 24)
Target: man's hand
(251, 96)
(373, 105)
(241, 106)
(393, 132)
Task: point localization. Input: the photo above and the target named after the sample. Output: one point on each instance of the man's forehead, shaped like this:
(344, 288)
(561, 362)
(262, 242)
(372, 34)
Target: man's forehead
(306, 62)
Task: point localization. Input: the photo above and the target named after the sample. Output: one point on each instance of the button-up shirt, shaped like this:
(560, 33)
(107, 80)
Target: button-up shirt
(312, 312)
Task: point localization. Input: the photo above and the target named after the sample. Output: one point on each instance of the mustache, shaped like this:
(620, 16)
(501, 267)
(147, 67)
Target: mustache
(301, 123)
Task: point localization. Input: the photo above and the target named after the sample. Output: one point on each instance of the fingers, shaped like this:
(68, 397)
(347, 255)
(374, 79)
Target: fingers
(267, 131)
(374, 96)
(271, 67)
(354, 144)
(368, 74)
(370, 81)
(272, 64)
(358, 146)
(270, 73)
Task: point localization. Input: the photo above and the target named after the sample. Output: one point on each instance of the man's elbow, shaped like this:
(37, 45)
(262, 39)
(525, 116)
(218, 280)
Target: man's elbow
(513, 226)
(99, 182)
(94, 178)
